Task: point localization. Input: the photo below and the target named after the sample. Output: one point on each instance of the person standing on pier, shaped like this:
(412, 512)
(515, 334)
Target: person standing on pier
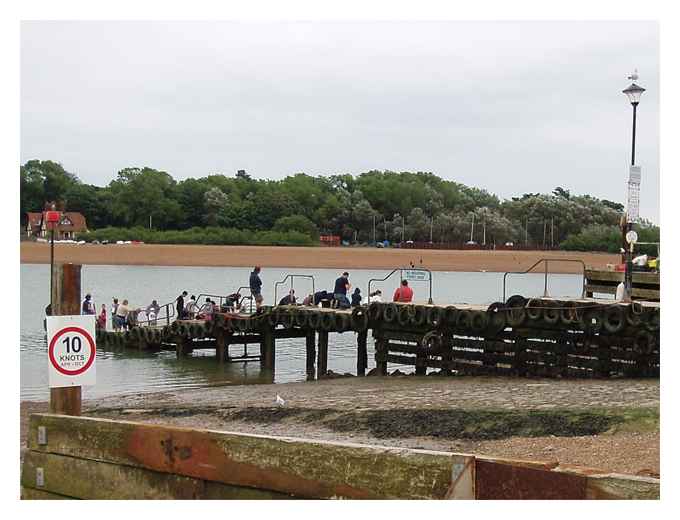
(88, 305)
(180, 305)
(114, 309)
(404, 293)
(191, 309)
(256, 287)
(122, 315)
(342, 285)
(101, 319)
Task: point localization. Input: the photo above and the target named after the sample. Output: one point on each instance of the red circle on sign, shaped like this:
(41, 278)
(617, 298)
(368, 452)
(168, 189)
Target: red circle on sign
(93, 351)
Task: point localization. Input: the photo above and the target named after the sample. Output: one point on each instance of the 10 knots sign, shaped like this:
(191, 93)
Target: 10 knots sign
(71, 351)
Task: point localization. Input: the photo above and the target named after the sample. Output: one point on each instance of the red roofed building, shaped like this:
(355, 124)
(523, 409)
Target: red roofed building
(70, 224)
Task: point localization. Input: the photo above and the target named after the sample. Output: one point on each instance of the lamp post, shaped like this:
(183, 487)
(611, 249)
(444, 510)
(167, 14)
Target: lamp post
(634, 92)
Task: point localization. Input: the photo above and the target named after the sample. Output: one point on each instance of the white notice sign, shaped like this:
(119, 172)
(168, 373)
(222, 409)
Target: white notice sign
(635, 175)
(415, 275)
(71, 351)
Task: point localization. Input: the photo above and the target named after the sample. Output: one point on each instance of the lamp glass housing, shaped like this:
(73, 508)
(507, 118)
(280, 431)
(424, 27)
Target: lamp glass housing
(634, 92)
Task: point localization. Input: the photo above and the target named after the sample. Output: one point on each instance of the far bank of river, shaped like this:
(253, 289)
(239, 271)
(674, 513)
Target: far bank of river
(315, 257)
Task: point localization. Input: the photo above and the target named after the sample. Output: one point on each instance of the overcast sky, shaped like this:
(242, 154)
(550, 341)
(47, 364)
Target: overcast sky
(506, 106)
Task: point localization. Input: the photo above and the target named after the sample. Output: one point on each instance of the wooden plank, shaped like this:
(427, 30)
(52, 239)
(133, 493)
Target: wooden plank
(303, 468)
(616, 277)
(638, 292)
(622, 487)
(94, 480)
(499, 481)
(37, 494)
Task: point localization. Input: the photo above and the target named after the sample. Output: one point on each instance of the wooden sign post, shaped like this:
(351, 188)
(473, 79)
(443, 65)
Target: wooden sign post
(66, 302)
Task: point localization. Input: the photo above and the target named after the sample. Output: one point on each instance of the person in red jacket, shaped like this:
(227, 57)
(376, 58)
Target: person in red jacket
(403, 293)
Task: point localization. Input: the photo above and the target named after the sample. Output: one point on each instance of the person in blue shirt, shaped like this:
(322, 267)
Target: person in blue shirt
(342, 285)
(256, 287)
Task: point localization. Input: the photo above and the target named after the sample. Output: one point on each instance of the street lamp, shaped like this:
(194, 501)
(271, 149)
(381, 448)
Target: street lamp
(634, 92)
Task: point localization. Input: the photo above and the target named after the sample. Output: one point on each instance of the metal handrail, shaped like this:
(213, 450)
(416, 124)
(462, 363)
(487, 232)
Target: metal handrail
(220, 296)
(545, 280)
(401, 277)
(169, 313)
(292, 279)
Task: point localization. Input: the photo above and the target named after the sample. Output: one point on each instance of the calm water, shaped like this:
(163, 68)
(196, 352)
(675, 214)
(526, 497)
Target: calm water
(130, 371)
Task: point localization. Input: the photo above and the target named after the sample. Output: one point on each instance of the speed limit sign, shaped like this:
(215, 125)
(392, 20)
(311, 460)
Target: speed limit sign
(71, 351)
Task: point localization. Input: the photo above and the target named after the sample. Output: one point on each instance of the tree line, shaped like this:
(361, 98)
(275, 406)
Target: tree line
(149, 204)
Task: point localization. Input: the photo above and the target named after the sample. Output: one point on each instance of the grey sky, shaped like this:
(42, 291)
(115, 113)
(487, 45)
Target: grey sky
(507, 106)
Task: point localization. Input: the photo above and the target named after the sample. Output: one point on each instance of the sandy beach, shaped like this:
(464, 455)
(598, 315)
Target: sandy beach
(423, 412)
(297, 257)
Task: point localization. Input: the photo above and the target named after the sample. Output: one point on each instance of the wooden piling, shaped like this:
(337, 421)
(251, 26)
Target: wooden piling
(220, 345)
(268, 349)
(380, 353)
(322, 361)
(66, 302)
(311, 354)
(362, 353)
(421, 360)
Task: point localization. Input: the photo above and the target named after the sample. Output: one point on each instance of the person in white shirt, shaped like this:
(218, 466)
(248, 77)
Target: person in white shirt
(375, 296)
(190, 309)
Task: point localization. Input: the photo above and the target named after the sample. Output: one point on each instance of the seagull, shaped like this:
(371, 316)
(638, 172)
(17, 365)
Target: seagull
(280, 401)
(634, 76)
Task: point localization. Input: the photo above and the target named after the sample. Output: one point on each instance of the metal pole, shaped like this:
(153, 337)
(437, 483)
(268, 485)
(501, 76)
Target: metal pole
(628, 278)
(51, 266)
(526, 233)
(373, 228)
(544, 230)
(632, 159)
(431, 225)
(472, 229)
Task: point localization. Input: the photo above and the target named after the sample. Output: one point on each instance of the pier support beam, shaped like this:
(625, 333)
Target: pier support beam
(380, 354)
(362, 353)
(322, 361)
(421, 360)
(268, 350)
(220, 345)
(311, 354)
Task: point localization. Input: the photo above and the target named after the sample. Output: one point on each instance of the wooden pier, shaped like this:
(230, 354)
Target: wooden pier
(525, 337)
(646, 285)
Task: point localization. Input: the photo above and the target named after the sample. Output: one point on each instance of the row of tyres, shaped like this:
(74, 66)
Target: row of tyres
(602, 318)
(312, 318)
(519, 312)
(450, 318)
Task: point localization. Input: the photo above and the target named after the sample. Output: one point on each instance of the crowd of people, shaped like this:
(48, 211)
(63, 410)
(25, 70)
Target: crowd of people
(337, 299)
(124, 316)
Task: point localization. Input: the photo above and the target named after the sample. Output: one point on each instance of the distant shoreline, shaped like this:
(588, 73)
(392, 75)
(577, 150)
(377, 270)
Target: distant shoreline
(306, 257)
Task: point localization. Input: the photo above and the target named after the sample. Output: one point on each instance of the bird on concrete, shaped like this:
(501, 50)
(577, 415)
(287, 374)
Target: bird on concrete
(280, 401)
